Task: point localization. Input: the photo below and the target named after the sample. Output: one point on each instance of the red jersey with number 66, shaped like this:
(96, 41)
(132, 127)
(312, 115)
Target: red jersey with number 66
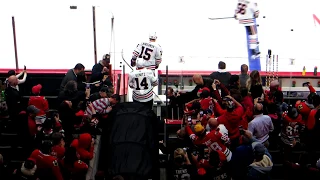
(214, 140)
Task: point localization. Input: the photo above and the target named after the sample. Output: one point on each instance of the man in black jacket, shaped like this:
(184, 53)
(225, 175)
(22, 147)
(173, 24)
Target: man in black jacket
(13, 98)
(222, 75)
(101, 72)
(71, 75)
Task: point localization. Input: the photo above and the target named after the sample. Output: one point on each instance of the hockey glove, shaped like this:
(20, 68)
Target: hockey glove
(133, 62)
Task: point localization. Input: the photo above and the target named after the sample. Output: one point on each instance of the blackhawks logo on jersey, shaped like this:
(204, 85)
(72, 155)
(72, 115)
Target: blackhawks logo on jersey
(55, 163)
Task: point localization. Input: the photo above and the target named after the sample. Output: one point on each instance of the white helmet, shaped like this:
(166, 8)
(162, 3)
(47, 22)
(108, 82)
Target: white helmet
(153, 35)
(139, 64)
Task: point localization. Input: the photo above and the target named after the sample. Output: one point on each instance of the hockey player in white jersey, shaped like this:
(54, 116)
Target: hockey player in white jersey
(149, 52)
(142, 81)
(246, 12)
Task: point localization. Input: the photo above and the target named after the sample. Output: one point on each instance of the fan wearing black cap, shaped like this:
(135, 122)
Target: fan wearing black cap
(33, 126)
(292, 127)
(262, 164)
(101, 71)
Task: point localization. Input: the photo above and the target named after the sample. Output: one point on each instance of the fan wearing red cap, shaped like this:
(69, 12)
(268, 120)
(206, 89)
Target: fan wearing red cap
(206, 100)
(39, 102)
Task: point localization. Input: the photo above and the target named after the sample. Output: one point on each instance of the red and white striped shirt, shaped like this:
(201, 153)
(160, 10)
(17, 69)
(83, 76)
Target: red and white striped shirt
(99, 105)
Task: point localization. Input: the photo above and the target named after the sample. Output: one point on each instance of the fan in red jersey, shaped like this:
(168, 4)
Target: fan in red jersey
(47, 164)
(214, 139)
(305, 107)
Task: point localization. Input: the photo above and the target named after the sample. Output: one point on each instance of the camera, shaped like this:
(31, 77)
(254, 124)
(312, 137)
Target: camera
(189, 120)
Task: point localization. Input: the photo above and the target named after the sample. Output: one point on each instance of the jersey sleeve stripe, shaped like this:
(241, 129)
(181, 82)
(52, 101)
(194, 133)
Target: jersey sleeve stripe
(142, 97)
(135, 54)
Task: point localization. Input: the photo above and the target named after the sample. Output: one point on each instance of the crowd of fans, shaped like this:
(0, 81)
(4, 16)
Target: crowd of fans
(60, 143)
(230, 124)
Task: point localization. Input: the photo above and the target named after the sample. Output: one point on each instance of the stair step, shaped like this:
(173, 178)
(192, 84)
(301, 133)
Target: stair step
(8, 139)
(13, 153)
(9, 134)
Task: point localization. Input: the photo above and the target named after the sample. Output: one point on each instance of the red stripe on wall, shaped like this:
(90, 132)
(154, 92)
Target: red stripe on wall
(163, 72)
(207, 73)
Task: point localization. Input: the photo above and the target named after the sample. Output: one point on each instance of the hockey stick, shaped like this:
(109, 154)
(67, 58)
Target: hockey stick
(132, 70)
(125, 60)
(221, 18)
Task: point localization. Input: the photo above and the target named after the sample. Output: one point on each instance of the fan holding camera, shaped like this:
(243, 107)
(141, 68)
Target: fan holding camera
(204, 116)
(181, 169)
(214, 139)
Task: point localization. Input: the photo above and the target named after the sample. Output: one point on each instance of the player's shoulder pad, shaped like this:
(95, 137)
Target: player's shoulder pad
(55, 163)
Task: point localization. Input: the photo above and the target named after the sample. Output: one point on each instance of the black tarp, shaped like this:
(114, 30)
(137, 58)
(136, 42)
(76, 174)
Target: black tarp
(132, 142)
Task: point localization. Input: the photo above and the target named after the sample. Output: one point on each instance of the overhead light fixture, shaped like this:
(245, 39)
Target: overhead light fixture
(73, 7)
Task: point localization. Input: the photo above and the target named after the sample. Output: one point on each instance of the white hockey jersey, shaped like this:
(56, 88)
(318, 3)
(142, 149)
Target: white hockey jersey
(246, 12)
(150, 53)
(142, 82)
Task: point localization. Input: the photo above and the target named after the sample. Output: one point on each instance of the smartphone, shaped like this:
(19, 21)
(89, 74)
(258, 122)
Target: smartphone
(88, 86)
(201, 113)
(241, 130)
(189, 120)
(25, 68)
